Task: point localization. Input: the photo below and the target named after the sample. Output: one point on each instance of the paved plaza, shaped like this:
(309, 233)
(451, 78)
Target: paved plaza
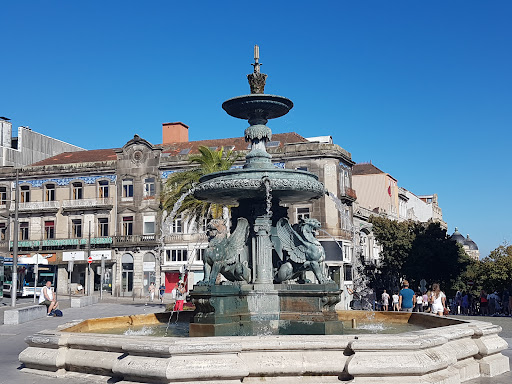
(12, 337)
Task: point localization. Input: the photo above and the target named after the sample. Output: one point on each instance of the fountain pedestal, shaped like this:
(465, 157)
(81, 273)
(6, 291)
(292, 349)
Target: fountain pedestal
(284, 309)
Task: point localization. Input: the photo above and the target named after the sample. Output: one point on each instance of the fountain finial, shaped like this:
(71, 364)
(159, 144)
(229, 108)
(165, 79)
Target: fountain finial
(257, 79)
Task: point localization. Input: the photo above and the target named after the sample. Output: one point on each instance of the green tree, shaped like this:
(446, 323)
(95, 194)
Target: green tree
(495, 272)
(416, 251)
(434, 257)
(179, 185)
(396, 240)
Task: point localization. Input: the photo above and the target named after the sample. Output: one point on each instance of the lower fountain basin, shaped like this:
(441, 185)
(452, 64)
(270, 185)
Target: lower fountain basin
(451, 351)
(288, 186)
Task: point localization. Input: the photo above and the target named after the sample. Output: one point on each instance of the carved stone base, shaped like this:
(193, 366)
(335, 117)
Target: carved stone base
(245, 310)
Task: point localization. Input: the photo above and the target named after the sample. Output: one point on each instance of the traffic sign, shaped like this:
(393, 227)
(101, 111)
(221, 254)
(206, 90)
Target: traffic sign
(89, 259)
(470, 283)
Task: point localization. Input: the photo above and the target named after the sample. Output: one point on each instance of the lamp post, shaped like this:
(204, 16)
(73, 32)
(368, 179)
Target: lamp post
(14, 285)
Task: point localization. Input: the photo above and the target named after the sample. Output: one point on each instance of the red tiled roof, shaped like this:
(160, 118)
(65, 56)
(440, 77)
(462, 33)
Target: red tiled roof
(365, 169)
(238, 142)
(80, 157)
(173, 149)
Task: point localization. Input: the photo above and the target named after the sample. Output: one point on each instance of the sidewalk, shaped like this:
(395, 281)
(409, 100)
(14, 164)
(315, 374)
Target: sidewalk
(12, 337)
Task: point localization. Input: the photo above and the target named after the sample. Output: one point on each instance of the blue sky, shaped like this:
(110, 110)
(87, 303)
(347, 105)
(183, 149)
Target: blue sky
(421, 89)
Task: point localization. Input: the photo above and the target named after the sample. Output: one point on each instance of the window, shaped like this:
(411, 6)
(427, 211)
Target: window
(176, 254)
(49, 193)
(149, 225)
(177, 225)
(23, 231)
(149, 186)
(200, 254)
(128, 188)
(3, 195)
(103, 226)
(302, 213)
(127, 225)
(103, 189)
(49, 229)
(77, 193)
(204, 226)
(76, 228)
(347, 273)
(25, 194)
(3, 229)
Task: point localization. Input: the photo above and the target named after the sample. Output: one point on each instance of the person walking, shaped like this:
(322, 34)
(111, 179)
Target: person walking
(161, 292)
(406, 298)
(438, 300)
(424, 300)
(395, 302)
(151, 290)
(419, 302)
(385, 301)
(47, 297)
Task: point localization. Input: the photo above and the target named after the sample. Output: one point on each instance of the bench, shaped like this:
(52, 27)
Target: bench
(24, 314)
(83, 301)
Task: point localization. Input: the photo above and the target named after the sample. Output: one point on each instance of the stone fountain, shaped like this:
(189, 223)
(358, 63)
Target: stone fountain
(265, 258)
(266, 295)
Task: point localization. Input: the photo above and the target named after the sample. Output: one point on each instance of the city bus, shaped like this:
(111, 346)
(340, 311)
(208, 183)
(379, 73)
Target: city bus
(26, 276)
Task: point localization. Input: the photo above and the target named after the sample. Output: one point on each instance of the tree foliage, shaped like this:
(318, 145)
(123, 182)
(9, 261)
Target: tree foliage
(416, 251)
(180, 184)
(495, 272)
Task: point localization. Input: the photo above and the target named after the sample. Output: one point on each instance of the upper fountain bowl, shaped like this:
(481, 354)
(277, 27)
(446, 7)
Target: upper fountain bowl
(257, 105)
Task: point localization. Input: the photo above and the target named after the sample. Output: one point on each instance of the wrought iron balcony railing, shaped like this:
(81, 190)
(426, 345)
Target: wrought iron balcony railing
(36, 206)
(88, 203)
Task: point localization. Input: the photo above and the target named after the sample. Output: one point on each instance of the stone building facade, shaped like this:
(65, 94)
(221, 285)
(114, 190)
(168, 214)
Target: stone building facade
(105, 204)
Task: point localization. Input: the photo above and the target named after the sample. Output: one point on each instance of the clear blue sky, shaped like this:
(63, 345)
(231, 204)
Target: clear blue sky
(422, 89)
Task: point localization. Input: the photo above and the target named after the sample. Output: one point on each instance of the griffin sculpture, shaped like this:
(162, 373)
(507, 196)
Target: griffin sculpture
(226, 255)
(303, 251)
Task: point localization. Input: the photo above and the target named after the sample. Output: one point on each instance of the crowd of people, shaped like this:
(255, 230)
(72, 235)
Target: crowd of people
(435, 301)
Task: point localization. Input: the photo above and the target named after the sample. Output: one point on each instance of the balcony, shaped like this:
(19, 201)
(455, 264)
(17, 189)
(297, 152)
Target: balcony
(348, 194)
(45, 206)
(106, 203)
(185, 238)
(132, 240)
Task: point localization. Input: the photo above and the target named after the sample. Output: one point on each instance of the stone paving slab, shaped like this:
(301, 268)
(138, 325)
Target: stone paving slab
(12, 337)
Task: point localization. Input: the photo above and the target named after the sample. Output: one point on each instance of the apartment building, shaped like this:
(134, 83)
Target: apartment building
(104, 204)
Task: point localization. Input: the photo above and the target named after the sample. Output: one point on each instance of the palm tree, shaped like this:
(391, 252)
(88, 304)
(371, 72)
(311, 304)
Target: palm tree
(179, 185)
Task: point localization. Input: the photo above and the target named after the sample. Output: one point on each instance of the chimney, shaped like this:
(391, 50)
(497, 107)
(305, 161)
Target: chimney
(174, 133)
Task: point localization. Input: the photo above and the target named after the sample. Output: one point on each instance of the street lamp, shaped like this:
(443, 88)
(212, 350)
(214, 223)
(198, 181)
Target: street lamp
(14, 279)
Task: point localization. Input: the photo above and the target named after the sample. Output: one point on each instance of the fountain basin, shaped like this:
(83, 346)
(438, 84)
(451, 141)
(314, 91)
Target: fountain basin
(453, 351)
(288, 186)
(262, 105)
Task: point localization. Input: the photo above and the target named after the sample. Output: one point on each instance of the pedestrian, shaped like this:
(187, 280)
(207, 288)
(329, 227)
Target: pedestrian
(151, 290)
(484, 310)
(180, 296)
(406, 298)
(424, 300)
(385, 301)
(161, 292)
(47, 297)
(419, 302)
(465, 303)
(395, 302)
(438, 300)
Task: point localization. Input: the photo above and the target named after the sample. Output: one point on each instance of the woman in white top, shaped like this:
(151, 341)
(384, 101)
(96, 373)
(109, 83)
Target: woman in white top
(395, 302)
(438, 300)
